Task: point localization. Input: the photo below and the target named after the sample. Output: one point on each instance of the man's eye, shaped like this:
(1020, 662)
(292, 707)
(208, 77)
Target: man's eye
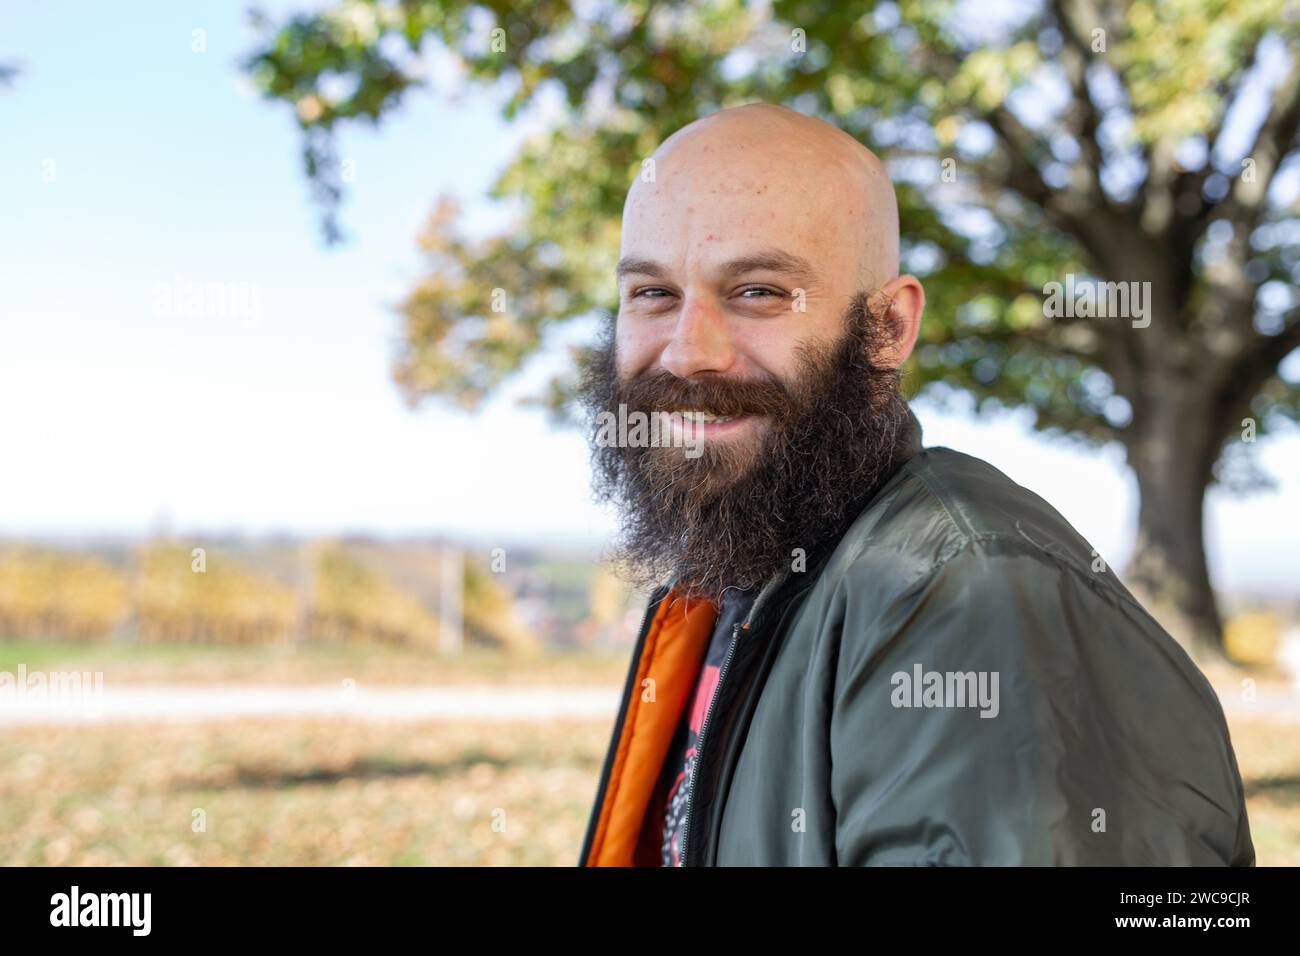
(654, 293)
(761, 292)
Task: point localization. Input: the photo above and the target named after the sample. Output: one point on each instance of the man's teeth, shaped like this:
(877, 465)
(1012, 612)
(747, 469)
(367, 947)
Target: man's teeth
(703, 417)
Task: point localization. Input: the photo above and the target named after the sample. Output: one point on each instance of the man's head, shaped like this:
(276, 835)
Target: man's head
(758, 283)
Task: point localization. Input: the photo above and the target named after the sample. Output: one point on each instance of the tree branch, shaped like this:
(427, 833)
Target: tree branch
(1254, 369)
(1275, 137)
(1071, 17)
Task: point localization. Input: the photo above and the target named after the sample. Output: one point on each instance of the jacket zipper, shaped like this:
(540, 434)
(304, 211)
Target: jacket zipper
(750, 619)
(704, 730)
(629, 688)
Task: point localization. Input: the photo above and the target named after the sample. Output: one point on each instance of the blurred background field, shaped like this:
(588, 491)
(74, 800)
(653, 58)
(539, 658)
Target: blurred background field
(299, 792)
(320, 592)
(314, 611)
(305, 788)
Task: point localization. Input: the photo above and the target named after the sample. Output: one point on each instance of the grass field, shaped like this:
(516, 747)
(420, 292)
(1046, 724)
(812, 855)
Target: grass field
(298, 793)
(337, 792)
(1268, 753)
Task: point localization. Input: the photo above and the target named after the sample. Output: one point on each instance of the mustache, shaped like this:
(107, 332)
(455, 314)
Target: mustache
(662, 391)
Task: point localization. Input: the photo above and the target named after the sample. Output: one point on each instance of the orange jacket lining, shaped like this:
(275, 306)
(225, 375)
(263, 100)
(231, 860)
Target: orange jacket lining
(674, 648)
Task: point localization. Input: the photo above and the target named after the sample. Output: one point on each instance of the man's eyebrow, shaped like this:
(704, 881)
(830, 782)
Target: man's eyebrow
(632, 265)
(768, 260)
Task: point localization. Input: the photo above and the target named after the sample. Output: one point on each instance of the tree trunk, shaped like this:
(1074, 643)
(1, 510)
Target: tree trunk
(1173, 455)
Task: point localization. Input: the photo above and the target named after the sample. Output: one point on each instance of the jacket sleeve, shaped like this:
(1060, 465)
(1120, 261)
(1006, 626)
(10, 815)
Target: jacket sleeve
(1004, 709)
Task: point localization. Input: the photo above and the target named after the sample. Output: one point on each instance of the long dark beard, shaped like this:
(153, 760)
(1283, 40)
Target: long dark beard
(731, 517)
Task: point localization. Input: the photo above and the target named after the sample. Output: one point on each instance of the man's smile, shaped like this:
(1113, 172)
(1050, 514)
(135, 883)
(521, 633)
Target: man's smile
(690, 424)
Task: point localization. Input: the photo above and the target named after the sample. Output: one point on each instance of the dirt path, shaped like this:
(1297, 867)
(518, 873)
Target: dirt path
(176, 702)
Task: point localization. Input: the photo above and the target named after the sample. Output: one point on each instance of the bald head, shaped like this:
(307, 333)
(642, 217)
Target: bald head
(768, 169)
(748, 240)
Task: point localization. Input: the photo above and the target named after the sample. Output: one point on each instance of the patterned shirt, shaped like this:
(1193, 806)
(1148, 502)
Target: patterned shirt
(680, 762)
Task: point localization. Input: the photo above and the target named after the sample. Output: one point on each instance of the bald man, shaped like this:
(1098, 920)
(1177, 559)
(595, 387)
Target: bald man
(857, 650)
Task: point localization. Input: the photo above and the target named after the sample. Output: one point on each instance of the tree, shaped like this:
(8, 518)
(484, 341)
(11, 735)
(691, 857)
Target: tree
(1078, 142)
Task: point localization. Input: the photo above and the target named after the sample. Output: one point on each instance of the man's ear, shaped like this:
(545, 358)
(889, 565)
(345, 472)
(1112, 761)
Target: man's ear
(908, 302)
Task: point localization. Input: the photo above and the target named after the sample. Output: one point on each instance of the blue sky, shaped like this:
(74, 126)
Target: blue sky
(130, 162)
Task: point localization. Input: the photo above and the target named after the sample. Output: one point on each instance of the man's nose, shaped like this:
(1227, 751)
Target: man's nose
(701, 340)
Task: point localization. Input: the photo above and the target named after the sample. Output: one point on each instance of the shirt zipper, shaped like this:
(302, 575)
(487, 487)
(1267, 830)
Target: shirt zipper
(763, 595)
(704, 729)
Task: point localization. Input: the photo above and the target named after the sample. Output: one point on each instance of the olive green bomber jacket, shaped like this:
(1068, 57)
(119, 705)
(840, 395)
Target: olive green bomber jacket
(958, 680)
